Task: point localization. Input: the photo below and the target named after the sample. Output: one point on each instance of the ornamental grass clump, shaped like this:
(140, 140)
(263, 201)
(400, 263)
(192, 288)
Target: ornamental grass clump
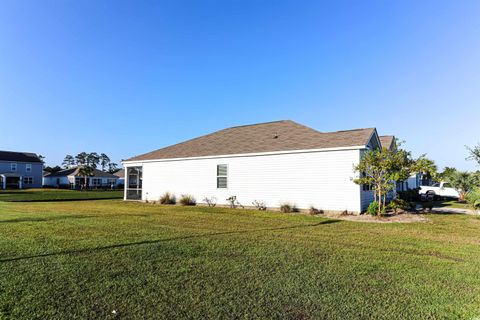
(288, 208)
(187, 200)
(167, 198)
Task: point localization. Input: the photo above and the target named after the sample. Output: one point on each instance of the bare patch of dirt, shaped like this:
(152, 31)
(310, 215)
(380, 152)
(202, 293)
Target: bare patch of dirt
(397, 218)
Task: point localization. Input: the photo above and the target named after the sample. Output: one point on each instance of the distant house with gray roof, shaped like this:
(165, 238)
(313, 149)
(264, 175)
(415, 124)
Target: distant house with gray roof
(73, 178)
(20, 170)
(121, 177)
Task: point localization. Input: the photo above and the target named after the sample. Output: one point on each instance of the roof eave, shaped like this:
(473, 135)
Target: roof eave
(359, 147)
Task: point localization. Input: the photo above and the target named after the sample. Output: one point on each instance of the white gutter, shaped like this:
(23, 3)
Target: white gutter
(126, 163)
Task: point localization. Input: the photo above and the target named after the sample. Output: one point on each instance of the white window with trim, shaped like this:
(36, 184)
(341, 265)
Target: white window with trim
(222, 176)
(27, 180)
(28, 167)
(96, 182)
(13, 167)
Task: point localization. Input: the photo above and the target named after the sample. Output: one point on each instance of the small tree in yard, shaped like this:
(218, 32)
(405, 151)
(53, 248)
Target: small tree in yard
(381, 168)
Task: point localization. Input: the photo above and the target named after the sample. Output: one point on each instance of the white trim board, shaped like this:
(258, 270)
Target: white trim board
(136, 162)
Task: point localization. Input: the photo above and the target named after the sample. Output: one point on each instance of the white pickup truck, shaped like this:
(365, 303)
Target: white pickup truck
(442, 189)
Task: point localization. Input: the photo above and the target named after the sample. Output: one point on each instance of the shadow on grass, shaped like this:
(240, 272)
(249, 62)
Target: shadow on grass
(61, 200)
(146, 242)
(34, 219)
(11, 192)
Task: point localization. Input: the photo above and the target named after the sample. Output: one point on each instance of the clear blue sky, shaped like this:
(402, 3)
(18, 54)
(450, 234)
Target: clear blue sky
(127, 77)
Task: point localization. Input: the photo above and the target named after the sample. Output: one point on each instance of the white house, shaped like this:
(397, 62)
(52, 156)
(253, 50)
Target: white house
(72, 178)
(274, 162)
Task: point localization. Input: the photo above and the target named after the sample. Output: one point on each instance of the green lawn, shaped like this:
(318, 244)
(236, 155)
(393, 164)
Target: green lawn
(82, 260)
(56, 195)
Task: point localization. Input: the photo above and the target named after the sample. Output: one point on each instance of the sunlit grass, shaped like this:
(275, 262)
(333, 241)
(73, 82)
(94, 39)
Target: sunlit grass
(85, 259)
(56, 195)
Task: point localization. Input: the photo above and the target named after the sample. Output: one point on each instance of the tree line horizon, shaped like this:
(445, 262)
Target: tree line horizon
(92, 160)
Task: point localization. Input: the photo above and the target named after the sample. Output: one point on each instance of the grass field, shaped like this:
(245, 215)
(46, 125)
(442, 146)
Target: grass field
(56, 195)
(82, 260)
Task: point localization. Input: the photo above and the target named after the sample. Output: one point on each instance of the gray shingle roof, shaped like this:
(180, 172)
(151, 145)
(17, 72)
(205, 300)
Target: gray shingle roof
(120, 173)
(387, 141)
(74, 172)
(19, 156)
(285, 135)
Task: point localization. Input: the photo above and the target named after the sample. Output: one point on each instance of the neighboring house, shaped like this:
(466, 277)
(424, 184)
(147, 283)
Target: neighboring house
(20, 170)
(273, 162)
(121, 177)
(388, 142)
(73, 179)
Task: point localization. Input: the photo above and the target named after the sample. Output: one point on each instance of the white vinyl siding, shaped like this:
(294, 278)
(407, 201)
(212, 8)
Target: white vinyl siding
(321, 179)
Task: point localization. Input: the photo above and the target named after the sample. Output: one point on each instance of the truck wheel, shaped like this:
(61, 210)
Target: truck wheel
(432, 194)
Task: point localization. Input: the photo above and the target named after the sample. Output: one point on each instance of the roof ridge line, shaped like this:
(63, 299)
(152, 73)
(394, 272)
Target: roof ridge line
(257, 124)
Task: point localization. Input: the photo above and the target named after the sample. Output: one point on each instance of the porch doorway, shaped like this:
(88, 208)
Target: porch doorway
(133, 190)
(10, 181)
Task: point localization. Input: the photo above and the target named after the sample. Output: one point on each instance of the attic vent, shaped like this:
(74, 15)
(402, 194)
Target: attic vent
(275, 136)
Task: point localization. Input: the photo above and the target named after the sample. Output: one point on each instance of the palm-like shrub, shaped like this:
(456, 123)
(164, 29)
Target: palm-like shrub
(397, 204)
(373, 208)
(168, 198)
(473, 198)
(463, 181)
(187, 200)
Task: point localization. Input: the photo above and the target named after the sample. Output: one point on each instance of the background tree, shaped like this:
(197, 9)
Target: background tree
(92, 160)
(81, 158)
(68, 161)
(474, 153)
(85, 171)
(42, 158)
(51, 170)
(104, 161)
(399, 166)
(446, 174)
(427, 168)
(112, 167)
